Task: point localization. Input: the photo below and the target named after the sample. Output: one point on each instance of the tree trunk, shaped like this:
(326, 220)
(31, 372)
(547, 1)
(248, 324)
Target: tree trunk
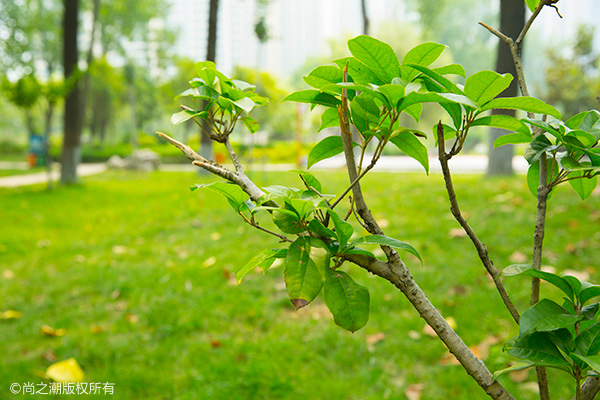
(206, 145)
(71, 151)
(365, 16)
(48, 131)
(512, 20)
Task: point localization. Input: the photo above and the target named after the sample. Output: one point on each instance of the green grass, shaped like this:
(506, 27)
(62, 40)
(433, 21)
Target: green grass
(128, 252)
(12, 172)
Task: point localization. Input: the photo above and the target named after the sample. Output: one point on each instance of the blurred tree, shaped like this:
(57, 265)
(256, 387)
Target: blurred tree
(454, 23)
(512, 20)
(105, 94)
(71, 152)
(365, 16)
(573, 80)
(278, 117)
(206, 146)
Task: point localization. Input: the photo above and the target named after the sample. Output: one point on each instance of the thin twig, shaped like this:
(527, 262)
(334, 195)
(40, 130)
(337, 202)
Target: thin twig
(481, 249)
(260, 228)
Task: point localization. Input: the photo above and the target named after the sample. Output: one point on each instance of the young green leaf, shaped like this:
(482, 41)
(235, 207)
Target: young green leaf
(365, 113)
(328, 147)
(538, 348)
(513, 138)
(529, 104)
(588, 340)
(533, 175)
(358, 71)
(388, 241)
(323, 76)
(539, 145)
(376, 55)
(504, 122)
(343, 229)
(234, 194)
(483, 86)
(451, 69)
(309, 179)
(250, 124)
(532, 4)
(264, 259)
(437, 77)
(528, 270)
(408, 143)
(588, 292)
(546, 316)
(303, 280)
(347, 301)
(329, 118)
(592, 361)
(424, 54)
(320, 229)
(315, 97)
(517, 366)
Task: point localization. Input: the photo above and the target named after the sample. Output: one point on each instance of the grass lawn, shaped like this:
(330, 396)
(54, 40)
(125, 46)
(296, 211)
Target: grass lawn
(12, 172)
(139, 271)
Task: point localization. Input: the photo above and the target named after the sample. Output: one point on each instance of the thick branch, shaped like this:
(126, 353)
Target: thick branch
(400, 276)
(239, 177)
(590, 388)
(480, 247)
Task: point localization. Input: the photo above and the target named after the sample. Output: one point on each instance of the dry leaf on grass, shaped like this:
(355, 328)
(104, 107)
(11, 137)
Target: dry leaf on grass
(518, 257)
(373, 339)
(457, 233)
(413, 392)
(209, 261)
(8, 274)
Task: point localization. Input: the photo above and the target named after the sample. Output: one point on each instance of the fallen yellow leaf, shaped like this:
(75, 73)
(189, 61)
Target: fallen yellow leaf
(50, 331)
(11, 314)
(66, 371)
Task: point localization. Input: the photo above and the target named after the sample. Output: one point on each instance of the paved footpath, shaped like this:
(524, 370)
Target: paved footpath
(472, 164)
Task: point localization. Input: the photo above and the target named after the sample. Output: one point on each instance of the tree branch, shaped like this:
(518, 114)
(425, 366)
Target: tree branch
(480, 247)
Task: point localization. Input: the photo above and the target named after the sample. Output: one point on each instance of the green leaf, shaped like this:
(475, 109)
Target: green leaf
(245, 103)
(328, 147)
(592, 361)
(365, 113)
(358, 250)
(504, 122)
(533, 175)
(288, 221)
(451, 69)
(250, 124)
(388, 241)
(366, 89)
(329, 118)
(445, 82)
(588, 340)
(424, 54)
(358, 71)
(528, 270)
(347, 301)
(546, 316)
(376, 55)
(449, 133)
(303, 280)
(415, 111)
(263, 259)
(539, 145)
(532, 4)
(544, 126)
(418, 97)
(309, 178)
(408, 143)
(483, 86)
(586, 139)
(517, 366)
(234, 194)
(576, 120)
(512, 138)
(323, 76)
(320, 229)
(539, 349)
(589, 292)
(183, 116)
(343, 229)
(312, 96)
(589, 312)
(584, 187)
(529, 104)
(392, 92)
(201, 92)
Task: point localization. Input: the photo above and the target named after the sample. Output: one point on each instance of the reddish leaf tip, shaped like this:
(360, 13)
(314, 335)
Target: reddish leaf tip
(299, 303)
